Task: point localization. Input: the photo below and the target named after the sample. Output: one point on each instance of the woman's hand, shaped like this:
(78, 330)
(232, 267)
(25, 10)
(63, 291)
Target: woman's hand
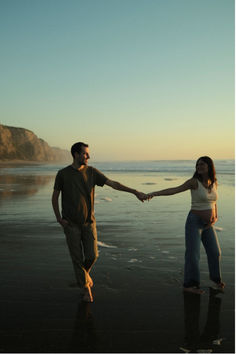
(212, 222)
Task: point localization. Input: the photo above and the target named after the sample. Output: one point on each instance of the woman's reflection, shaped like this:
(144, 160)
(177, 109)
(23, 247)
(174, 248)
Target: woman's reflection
(193, 338)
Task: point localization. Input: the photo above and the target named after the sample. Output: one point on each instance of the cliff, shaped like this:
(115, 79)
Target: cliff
(23, 144)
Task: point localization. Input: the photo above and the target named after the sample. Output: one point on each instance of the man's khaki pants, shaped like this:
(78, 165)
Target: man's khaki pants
(82, 244)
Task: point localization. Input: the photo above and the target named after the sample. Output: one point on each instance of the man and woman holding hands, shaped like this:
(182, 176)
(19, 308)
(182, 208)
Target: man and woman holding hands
(76, 184)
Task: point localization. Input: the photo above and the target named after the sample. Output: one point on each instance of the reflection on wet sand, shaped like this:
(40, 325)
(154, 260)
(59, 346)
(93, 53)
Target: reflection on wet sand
(194, 340)
(84, 337)
(17, 185)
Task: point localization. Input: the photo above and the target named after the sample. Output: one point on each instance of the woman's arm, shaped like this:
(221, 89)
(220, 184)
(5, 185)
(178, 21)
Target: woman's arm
(214, 218)
(216, 212)
(189, 184)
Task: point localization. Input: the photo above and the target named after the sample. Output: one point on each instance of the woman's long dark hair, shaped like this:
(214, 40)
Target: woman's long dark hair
(211, 170)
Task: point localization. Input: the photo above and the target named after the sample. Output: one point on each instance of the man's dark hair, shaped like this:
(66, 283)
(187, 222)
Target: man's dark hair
(77, 147)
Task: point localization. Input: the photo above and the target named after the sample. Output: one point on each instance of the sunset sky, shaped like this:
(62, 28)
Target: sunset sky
(136, 79)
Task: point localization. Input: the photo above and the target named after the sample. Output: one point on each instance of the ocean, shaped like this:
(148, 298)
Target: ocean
(31, 187)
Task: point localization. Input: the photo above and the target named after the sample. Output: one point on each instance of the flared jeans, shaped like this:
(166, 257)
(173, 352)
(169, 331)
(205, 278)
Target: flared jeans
(195, 233)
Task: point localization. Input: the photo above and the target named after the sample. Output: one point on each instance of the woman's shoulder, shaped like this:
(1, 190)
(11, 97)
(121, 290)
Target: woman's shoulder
(215, 185)
(193, 183)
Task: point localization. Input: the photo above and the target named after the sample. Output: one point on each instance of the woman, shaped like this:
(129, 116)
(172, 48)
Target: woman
(199, 224)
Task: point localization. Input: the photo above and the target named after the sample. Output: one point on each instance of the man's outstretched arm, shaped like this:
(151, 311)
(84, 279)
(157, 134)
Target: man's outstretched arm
(120, 187)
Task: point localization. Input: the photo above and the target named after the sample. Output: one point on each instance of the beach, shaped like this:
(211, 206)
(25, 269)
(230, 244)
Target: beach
(139, 305)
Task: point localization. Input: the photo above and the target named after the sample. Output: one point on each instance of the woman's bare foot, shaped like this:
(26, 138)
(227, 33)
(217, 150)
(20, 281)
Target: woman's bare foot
(87, 297)
(219, 287)
(194, 290)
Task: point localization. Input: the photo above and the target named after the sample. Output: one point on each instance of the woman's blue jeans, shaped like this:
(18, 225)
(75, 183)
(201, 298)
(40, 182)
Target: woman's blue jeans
(195, 232)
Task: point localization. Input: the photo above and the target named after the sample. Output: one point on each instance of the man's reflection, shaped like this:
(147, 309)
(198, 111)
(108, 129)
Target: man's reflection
(21, 185)
(193, 339)
(84, 337)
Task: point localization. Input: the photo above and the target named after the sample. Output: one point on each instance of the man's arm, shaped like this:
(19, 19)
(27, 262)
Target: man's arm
(55, 205)
(120, 187)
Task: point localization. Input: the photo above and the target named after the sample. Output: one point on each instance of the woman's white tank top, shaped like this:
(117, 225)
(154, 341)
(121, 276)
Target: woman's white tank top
(202, 198)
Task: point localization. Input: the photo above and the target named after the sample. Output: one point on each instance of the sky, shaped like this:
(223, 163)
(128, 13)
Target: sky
(135, 79)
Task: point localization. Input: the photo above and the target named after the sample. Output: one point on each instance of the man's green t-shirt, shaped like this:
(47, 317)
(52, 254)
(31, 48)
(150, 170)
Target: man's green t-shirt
(77, 188)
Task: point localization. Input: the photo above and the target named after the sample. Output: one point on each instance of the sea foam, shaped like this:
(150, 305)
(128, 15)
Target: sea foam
(107, 199)
(217, 228)
(103, 244)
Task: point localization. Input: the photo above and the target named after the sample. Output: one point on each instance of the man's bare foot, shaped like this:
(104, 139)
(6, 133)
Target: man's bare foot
(87, 297)
(90, 281)
(194, 290)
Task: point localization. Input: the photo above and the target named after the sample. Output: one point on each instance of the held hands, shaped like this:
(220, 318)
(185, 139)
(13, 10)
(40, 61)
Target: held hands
(142, 196)
(150, 195)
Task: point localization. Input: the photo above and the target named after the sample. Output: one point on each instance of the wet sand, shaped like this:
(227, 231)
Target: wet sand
(136, 309)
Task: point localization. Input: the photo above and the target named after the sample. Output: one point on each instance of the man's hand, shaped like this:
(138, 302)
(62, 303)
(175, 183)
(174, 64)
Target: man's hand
(63, 222)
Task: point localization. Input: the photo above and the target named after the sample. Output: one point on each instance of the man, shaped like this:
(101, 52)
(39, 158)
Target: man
(76, 183)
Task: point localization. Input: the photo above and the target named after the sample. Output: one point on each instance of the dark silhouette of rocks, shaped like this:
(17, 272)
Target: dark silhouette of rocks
(23, 144)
